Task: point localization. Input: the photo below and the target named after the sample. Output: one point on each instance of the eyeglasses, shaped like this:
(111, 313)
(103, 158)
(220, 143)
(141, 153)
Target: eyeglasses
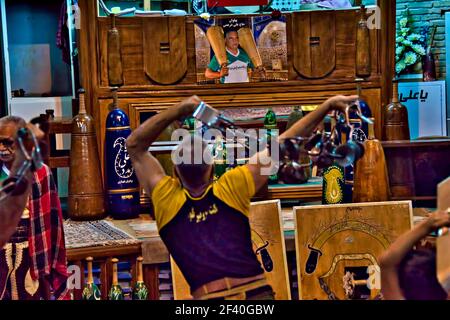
(7, 142)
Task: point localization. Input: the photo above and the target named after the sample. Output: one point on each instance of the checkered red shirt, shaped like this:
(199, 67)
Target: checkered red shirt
(46, 241)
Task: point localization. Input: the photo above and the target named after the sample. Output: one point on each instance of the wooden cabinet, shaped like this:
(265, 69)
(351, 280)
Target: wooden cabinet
(330, 57)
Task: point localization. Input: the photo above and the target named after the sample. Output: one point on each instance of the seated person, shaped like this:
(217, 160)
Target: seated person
(409, 274)
(12, 205)
(33, 261)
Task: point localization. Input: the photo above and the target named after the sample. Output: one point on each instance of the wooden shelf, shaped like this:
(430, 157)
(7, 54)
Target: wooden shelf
(60, 125)
(311, 190)
(59, 162)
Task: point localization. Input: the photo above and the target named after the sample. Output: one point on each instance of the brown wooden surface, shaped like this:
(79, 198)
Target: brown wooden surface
(101, 251)
(60, 125)
(443, 242)
(314, 48)
(351, 235)
(416, 167)
(345, 42)
(267, 225)
(396, 126)
(115, 70)
(139, 89)
(309, 191)
(57, 125)
(59, 162)
(371, 179)
(86, 195)
(443, 194)
(165, 55)
(363, 53)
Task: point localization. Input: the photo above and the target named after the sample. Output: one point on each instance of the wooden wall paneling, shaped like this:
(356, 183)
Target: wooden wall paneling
(301, 50)
(165, 50)
(407, 162)
(131, 34)
(260, 100)
(343, 71)
(323, 42)
(135, 112)
(132, 51)
(191, 76)
(88, 53)
(345, 39)
(387, 54)
(345, 45)
(105, 282)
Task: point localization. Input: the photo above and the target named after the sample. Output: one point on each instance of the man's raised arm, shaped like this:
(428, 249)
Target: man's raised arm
(302, 128)
(148, 170)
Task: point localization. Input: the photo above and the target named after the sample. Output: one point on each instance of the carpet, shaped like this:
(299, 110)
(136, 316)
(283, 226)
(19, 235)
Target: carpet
(82, 234)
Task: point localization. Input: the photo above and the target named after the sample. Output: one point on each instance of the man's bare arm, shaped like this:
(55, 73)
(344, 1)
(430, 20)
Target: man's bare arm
(302, 128)
(306, 125)
(148, 169)
(210, 74)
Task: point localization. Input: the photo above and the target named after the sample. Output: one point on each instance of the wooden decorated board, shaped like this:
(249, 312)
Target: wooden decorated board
(268, 241)
(338, 246)
(443, 242)
(443, 194)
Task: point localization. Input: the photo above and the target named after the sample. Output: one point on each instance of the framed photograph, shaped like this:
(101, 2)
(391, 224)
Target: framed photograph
(241, 50)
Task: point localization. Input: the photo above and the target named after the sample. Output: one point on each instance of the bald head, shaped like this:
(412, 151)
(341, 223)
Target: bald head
(193, 162)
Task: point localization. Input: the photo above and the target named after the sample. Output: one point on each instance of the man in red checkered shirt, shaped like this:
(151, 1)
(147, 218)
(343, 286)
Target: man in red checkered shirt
(33, 261)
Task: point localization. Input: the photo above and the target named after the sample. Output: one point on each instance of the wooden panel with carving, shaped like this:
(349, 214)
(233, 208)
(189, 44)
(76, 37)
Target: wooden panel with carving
(338, 247)
(133, 32)
(165, 54)
(330, 62)
(345, 38)
(315, 43)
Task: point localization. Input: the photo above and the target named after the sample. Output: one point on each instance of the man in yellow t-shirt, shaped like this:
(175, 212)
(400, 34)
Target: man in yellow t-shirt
(204, 223)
